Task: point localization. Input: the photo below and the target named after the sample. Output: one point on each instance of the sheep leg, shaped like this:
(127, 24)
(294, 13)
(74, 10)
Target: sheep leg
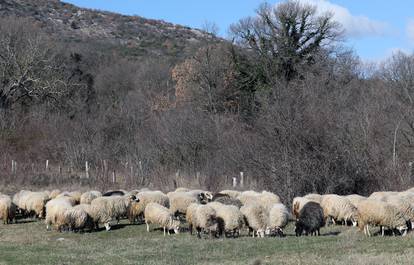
(148, 226)
(164, 230)
(382, 230)
(368, 232)
(198, 232)
(190, 227)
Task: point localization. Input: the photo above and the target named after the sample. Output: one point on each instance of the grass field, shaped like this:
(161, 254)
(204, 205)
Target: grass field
(30, 243)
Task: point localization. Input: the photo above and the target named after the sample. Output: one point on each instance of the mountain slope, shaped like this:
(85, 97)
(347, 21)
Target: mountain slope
(139, 36)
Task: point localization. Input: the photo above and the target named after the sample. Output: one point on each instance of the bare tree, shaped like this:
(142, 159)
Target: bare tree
(286, 36)
(29, 70)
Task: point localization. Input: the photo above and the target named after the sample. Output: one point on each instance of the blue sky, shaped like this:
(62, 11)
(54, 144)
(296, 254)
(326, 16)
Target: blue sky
(374, 28)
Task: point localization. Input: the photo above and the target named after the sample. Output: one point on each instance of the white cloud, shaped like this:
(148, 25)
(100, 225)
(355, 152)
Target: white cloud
(409, 30)
(356, 26)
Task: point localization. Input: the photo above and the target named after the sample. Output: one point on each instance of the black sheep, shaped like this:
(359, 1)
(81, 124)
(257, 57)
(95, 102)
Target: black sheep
(113, 193)
(310, 219)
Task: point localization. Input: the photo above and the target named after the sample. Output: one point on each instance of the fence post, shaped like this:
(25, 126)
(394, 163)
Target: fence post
(113, 177)
(241, 179)
(47, 165)
(198, 177)
(87, 169)
(234, 182)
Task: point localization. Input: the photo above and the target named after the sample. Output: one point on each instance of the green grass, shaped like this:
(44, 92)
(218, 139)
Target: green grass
(30, 243)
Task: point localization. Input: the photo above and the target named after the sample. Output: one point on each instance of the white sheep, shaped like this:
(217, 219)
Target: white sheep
(380, 195)
(77, 219)
(35, 202)
(110, 208)
(160, 215)
(229, 218)
(278, 218)
(190, 215)
(89, 196)
(136, 209)
(403, 204)
(54, 193)
(338, 208)
(55, 212)
(379, 213)
(179, 201)
(205, 220)
(256, 218)
(7, 209)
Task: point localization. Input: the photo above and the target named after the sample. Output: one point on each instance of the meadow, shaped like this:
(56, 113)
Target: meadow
(28, 242)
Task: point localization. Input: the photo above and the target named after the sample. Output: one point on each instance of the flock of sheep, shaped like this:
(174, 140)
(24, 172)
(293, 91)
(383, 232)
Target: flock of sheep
(224, 213)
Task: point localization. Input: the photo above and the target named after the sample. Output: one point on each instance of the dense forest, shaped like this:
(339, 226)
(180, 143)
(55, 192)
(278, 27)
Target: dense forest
(282, 100)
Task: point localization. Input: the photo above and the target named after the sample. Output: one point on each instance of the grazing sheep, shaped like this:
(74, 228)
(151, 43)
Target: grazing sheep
(160, 215)
(314, 197)
(92, 212)
(76, 195)
(136, 209)
(278, 218)
(89, 196)
(404, 205)
(256, 218)
(205, 220)
(297, 205)
(229, 219)
(7, 209)
(114, 207)
(379, 213)
(16, 201)
(35, 202)
(228, 201)
(338, 208)
(55, 212)
(310, 220)
(232, 193)
(179, 201)
(77, 219)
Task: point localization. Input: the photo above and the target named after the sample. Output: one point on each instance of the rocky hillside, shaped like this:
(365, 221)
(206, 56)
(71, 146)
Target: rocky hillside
(135, 35)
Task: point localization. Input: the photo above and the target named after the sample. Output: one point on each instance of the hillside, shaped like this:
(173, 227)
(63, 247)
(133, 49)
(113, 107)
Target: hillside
(139, 36)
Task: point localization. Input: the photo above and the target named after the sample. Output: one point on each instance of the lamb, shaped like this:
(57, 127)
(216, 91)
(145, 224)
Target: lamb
(136, 209)
(204, 219)
(310, 219)
(314, 197)
(379, 213)
(114, 207)
(229, 218)
(77, 219)
(338, 208)
(256, 218)
(297, 205)
(7, 209)
(278, 218)
(89, 196)
(160, 215)
(55, 212)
